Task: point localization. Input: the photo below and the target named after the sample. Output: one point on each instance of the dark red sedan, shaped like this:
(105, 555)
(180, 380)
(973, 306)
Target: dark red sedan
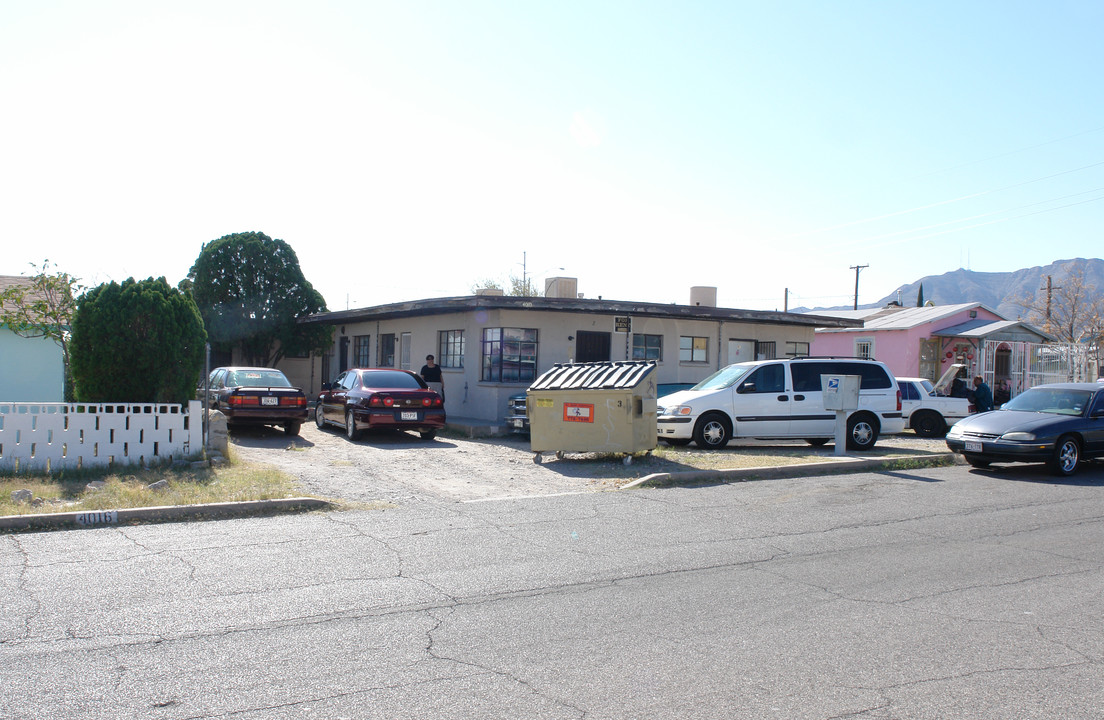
(380, 399)
(256, 396)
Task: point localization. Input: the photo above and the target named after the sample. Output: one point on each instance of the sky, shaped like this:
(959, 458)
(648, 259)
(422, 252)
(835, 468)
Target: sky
(411, 150)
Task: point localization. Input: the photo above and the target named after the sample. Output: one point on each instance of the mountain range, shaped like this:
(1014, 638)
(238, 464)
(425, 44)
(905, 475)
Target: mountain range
(1000, 291)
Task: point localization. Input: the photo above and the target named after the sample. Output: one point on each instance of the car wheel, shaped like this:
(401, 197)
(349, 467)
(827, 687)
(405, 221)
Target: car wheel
(862, 432)
(350, 426)
(428, 434)
(677, 442)
(319, 419)
(977, 462)
(713, 431)
(1067, 456)
(817, 442)
(292, 429)
(929, 424)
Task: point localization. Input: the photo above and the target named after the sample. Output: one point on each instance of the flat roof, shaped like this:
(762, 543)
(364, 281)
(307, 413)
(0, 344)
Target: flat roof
(467, 303)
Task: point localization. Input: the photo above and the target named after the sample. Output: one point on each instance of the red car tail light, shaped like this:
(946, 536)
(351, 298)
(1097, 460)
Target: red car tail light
(296, 401)
(243, 401)
(381, 401)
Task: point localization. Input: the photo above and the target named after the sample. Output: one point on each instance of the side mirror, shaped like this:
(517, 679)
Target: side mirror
(748, 387)
(327, 386)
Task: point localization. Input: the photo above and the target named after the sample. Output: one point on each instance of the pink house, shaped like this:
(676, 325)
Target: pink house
(924, 341)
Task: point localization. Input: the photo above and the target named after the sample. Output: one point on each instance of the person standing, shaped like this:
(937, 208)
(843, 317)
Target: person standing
(983, 396)
(431, 373)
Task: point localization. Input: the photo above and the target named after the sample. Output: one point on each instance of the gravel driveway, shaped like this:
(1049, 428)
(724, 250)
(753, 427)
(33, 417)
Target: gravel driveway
(401, 468)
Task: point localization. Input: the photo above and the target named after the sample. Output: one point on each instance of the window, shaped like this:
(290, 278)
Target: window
(806, 374)
(361, 358)
(765, 351)
(450, 348)
(797, 349)
(864, 348)
(693, 349)
(769, 379)
(387, 350)
(647, 347)
(509, 355)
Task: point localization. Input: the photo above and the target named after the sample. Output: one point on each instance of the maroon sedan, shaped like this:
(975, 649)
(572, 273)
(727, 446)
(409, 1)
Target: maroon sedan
(380, 399)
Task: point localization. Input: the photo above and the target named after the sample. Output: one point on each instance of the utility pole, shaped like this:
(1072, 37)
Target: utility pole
(856, 268)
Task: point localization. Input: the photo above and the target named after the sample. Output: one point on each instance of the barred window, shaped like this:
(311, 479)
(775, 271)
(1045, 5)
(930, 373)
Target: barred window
(864, 349)
(450, 348)
(361, 358)
(765, 351)
(509, 355)
(387, 350)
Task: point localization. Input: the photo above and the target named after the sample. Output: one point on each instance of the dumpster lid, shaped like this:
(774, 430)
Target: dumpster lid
(595, 375)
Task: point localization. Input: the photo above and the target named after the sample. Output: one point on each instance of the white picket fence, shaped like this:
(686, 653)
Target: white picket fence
(55, 436)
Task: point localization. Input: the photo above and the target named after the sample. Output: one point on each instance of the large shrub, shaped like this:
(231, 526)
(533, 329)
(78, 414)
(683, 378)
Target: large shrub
(137, 342)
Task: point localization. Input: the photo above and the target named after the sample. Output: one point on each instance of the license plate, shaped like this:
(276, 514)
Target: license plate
(270, 401)
(408, 415)
(519, 423)
(973, 446)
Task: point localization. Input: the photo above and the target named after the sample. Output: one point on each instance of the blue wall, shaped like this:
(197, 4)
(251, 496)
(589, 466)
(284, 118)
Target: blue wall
(31, 369)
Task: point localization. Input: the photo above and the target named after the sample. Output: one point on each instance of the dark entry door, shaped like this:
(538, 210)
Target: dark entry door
(592, 346)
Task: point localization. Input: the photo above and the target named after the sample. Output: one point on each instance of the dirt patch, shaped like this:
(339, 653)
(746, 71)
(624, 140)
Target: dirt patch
(402, 468)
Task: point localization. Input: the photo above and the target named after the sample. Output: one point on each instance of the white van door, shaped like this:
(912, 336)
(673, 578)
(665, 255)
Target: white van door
(761, 404)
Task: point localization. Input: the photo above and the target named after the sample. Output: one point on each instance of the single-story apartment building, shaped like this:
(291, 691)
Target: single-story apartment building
(491, 346)
(34, 367)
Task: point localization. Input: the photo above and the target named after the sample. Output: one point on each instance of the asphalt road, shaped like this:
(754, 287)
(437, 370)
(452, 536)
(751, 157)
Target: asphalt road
(939, 593)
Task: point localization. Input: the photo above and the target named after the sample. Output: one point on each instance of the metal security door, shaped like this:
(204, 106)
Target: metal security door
(592, 346)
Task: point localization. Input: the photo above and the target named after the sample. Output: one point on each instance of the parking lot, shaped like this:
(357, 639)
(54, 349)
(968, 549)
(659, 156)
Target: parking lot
(403, 468)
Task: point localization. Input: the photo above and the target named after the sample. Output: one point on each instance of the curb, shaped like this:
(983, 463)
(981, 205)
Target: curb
(848, 465)
(163, 513)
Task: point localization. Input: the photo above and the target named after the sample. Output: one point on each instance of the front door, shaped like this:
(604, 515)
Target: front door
(761, 405)
(592, 346)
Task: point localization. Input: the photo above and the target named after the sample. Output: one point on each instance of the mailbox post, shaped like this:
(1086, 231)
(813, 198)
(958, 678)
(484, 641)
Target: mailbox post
(841, 393)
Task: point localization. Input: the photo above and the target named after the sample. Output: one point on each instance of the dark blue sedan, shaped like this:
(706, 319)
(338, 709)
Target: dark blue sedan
(1060, 424)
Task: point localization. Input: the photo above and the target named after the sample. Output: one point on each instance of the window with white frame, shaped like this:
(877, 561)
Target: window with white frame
(450, 348)
(693, 349)
(864, 348)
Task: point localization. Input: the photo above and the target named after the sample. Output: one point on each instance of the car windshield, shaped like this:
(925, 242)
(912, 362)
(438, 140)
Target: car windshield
(1050, 400)
(391, 379)
(725, 377)
(257, 378)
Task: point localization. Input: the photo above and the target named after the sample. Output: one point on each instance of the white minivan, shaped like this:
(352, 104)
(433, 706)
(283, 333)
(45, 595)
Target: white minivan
(775, 399)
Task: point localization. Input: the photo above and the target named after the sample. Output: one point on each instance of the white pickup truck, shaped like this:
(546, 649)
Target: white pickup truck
(926, 409)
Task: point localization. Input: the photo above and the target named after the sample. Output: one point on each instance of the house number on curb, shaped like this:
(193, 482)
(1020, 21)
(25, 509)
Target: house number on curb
(100, 517)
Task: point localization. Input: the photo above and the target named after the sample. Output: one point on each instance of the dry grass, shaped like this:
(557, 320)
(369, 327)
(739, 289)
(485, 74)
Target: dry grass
(70, 492)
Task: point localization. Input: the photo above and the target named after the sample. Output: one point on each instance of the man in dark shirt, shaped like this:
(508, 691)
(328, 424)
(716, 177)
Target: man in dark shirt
(431, 373)
(983, 396)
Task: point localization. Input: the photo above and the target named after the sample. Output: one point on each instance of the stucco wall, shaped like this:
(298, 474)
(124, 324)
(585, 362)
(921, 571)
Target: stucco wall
(467, 396)
(31, 369)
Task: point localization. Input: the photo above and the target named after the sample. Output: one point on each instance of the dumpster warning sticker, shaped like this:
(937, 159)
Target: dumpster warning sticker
(578, 412)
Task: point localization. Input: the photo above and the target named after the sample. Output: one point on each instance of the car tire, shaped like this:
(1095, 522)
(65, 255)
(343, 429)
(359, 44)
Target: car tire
(351, 431)
(1067, 456)
(862, 432)
(977, 462)
(713, 431)
(428, 434)
(319, 418)
(292, 429)
(817, 442)
(928, 424)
